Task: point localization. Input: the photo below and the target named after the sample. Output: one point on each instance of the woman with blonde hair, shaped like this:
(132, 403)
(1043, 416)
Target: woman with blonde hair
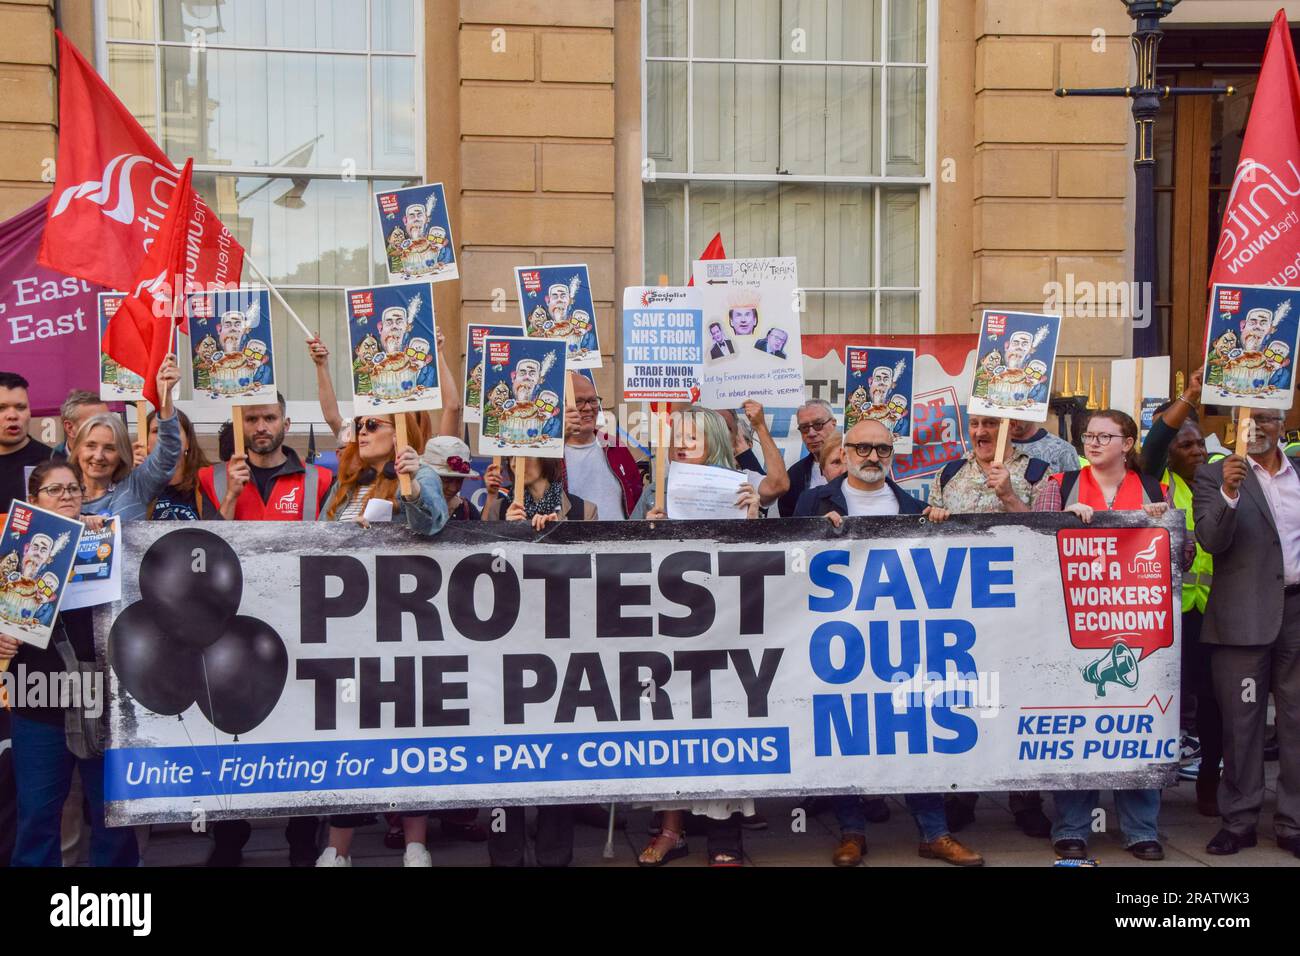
(369, 469)
(102, 456)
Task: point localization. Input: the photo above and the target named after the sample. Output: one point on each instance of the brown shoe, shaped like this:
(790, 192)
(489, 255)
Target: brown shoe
(851, 850)
(950, 851)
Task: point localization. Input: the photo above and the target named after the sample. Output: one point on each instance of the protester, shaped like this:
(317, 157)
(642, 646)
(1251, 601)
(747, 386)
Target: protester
(43, 762)
(104, 461)
(700, 437)
(545, 501)
(450, 459)
(830, 460)
(980, 484)
(1248, 517)
(18, 450)
(595, 469)
(866, 489)
(369, 470)
(1037, 442)
(182, 499)
(79, 406)
(707, 429)
(1112, 481)
(815, 420)
(269, 482)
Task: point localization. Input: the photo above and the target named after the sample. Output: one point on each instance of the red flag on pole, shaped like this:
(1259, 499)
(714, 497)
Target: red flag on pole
(1257, 238)
(713, 250)
(112, 190)
(140, 333)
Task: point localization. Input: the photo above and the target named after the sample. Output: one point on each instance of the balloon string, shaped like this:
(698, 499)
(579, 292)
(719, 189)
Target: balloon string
(198, 756)
(213, 711)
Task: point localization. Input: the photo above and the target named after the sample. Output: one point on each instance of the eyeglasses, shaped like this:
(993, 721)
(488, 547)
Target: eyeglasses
(62, 491)
(1267, 419)
(369, 424)
(864, 448)
(587, 402)
(816, 426)
(1099, 438)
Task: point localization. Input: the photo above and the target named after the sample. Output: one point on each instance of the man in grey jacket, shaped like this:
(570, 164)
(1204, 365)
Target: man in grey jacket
(1248, 516)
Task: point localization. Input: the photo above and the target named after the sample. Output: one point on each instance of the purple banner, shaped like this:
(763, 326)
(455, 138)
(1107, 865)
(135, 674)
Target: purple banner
(48, 330)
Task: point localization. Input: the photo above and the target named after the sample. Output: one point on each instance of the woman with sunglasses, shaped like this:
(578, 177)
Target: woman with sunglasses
(43, 764)
(1111, 481)
(369, 470)
(104, 460)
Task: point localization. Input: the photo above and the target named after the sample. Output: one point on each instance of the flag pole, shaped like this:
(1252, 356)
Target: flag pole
(252, 266)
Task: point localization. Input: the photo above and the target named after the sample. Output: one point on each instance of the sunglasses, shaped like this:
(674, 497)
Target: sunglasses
(369, 425)
(817, 426)
(864, 448)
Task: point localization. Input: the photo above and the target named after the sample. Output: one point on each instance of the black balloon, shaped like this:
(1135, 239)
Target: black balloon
(193, 581)
(164, 676)
(245, 672)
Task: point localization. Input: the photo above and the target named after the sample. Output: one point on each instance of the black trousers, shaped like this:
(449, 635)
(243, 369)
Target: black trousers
(554, 845)
(1209, 718)
(300, 830)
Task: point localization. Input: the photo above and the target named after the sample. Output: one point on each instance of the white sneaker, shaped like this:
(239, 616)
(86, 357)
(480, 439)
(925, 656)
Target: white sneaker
(417, 854)
(331, 858)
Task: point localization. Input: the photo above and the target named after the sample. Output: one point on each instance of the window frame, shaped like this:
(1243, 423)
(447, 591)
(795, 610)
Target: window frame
(304, 413)
(926, 265)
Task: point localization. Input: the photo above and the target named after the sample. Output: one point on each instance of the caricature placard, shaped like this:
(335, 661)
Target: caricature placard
(116, 383)
(393, 343)
(1013, 369)
(37, 548)
(416, 228)
(878, 385)
(523, 397)
(232, 356)
(475, 333)
(753, 347)
(555, 303)
(663, 343)
(1250, 346)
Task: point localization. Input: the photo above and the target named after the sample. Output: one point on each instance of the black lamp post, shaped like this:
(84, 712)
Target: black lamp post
(1146, 97)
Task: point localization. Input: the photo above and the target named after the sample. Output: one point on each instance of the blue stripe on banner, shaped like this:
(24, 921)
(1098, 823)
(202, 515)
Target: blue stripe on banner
(139, 773)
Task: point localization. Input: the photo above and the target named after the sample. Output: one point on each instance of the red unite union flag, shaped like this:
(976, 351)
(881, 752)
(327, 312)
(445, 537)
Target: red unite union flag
(112, 191)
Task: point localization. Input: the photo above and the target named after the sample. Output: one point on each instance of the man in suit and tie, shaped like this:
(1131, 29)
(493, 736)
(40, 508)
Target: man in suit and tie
(816, 422)
(1247, 513)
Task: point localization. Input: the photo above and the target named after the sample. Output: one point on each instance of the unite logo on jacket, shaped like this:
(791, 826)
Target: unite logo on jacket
(288, 502)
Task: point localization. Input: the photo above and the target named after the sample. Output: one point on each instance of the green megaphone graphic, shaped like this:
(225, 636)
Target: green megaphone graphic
(1120, 666)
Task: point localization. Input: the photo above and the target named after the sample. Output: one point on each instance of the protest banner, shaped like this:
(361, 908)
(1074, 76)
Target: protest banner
(523, 381)
(878, 385)
(636, 661)
(416, 228)
(1138, 386)
(555, 303)
(37, 548)
(45, 316)
(475, 333)
(663, 343)
(755, 304)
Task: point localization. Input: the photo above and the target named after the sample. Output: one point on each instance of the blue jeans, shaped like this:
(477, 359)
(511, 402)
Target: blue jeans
(1138, 812)
(43, 767)
(926, 808)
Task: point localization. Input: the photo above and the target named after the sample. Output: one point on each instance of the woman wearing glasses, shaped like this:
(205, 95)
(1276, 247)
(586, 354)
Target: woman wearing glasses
(43, 764)
(102, 456)
(369, 469)
(1111, 481)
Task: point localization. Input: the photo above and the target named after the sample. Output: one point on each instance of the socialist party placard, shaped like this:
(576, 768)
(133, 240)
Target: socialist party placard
(663, 344)
(315, 668)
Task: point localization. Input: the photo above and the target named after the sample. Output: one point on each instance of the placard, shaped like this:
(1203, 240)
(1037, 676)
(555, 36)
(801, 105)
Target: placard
(1250, 346)
(97, 568)
(663, 343)
(37, 548)
(755, 303)
(555, 303)
(394, 348)
(1013, 371)
(475, 333)
(523, 398)
(878, 385)
(232, 348)
(116, 382)
(416, 227)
